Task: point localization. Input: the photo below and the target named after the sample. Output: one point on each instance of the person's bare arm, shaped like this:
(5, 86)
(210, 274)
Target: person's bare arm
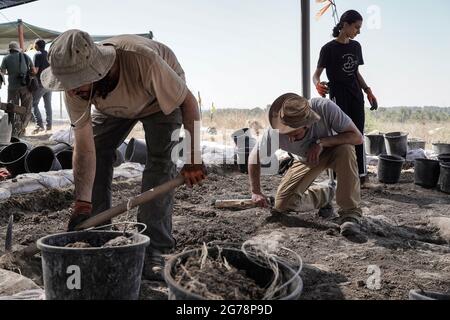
(321, 88)
(361, 80)
(194, 172)
(349, 135)
(317, 75)
(254, 173)
(84, 162)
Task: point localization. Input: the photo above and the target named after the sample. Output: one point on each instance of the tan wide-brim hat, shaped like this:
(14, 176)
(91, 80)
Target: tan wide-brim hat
(75, 60)
(291, 112)
(14, 45)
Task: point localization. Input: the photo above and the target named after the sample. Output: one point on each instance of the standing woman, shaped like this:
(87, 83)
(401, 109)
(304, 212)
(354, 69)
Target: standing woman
(341, 58)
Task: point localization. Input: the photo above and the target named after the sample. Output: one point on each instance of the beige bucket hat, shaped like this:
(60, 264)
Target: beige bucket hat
(291, 112)
(13, 45)
(75, 60)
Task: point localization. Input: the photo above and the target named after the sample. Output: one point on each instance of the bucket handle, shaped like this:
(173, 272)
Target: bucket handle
(127, 223)
(276, 257)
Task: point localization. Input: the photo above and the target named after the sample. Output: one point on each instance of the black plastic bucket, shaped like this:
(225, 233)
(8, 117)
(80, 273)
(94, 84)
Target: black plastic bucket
(262, 276)
(414, 144)
(136, 151)
(427, 295)
(426, 173)
(390, 168)
(374, 144)
(65, 158)
(41, 159)
(441, 148)
(92, 273)
(444, 157)
(13, 158)
(444, 178)
(396, 144)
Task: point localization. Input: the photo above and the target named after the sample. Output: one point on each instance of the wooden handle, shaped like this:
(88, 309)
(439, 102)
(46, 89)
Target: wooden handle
(107, 215)
(238, 203)
(145, 197)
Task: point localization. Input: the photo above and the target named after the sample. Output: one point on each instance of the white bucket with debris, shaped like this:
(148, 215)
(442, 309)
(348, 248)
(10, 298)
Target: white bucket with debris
(5, 129)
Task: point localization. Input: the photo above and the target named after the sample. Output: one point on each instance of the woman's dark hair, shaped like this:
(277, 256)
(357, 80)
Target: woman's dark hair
(350, 16)
(40, 44)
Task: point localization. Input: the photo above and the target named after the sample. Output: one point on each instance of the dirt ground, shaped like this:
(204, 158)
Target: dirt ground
(408, 252)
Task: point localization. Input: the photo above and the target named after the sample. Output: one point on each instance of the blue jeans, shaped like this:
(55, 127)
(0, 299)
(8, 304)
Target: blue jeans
(47, 95)
(109, 134)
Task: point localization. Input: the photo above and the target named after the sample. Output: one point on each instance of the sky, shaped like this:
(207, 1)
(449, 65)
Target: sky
(246, 53)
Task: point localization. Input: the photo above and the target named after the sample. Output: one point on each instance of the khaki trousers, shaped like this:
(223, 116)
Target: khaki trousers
(296, 192)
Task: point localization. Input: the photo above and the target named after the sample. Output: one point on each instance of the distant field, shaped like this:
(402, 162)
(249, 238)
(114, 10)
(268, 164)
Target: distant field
(431, 125)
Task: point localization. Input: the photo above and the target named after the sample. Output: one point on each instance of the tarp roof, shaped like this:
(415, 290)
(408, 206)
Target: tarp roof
(9, 32)
(12, 3)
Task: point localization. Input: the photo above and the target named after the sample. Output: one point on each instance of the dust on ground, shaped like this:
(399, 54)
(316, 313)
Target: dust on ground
(403, 250)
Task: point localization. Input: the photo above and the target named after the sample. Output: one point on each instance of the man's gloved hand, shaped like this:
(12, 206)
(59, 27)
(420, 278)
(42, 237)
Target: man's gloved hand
(194, 174)
(81, 211)
(372, 99)
(322, 88)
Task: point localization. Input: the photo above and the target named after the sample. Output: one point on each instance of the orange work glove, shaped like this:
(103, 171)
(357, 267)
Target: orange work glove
(372, 99)
(194, 174)
(81, 211)
(322, 89)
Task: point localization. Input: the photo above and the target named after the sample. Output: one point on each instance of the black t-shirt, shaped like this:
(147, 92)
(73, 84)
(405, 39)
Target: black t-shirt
(342, 62)
(41, 62)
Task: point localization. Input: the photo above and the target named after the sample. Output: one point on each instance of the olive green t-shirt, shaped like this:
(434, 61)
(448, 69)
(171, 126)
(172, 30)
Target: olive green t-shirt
(11, 64)
(151, 80)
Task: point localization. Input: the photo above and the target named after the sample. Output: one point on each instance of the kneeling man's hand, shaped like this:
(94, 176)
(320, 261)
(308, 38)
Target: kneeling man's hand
(314, 154)
(260, 200)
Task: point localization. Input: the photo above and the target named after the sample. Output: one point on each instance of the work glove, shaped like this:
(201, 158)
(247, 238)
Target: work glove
(322, 89)
(194, 174)
(81, 211)
(372, 99)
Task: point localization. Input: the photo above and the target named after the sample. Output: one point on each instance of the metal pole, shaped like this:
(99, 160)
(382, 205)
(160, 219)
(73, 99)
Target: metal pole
(21, 37)
(60, 105)
(306, 48)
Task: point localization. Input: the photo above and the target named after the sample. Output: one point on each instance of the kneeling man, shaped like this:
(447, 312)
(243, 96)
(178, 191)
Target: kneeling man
(321, 137)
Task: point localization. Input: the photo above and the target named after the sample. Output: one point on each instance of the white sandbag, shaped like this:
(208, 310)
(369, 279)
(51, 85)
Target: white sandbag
(65, 136)
(415, 154)
(4, 194)
(12, 283)
(37, 294)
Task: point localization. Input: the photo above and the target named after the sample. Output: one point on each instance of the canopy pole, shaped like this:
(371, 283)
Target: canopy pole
(306, 48)
(21, 37)
(60, 105)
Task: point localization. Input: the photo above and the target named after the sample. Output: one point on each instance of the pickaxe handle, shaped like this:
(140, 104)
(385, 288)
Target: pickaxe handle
(107, 215)
(145, 197)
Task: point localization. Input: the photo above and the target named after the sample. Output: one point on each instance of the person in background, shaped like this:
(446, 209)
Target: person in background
(40, 64)
(341, 58)
(16, 65)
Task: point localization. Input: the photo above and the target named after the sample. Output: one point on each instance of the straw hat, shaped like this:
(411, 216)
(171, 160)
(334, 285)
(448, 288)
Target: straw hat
(75, 60)
(290, 112)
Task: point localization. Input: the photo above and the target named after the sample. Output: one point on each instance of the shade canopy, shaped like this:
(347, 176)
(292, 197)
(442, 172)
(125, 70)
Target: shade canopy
(9, 32)
(12, 3)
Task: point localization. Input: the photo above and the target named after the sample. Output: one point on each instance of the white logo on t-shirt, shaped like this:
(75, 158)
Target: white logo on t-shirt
(350, 63)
